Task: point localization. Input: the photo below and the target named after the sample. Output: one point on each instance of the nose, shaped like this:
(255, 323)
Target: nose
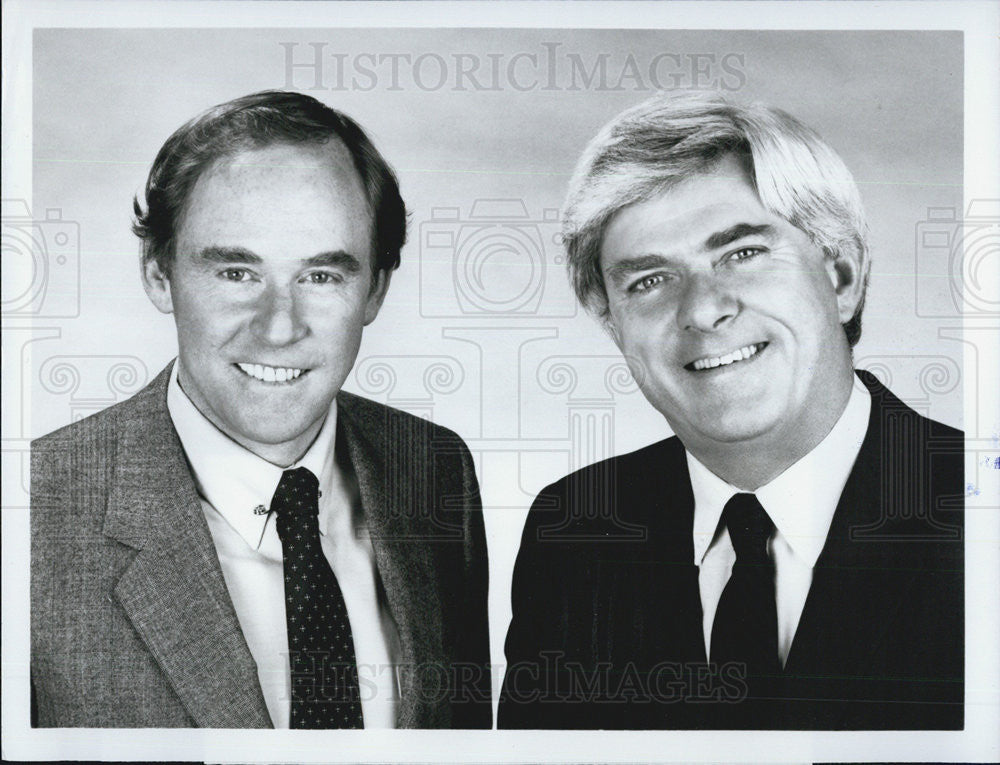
(276, 317)
(706, 304)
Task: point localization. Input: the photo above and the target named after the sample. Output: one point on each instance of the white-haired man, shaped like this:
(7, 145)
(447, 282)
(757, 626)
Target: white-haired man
(792, 558)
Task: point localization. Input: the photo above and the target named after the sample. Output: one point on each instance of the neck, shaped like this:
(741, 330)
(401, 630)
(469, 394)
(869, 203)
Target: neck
(282, 455)
(755, 462)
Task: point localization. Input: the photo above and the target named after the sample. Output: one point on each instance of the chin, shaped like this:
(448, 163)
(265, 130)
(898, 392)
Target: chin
(734, 435)
(732, 428)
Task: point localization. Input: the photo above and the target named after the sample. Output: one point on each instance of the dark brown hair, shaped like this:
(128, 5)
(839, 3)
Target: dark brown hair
(255, 121)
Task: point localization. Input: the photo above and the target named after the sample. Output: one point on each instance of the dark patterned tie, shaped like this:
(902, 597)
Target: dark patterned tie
(745, 630)
(324, 671)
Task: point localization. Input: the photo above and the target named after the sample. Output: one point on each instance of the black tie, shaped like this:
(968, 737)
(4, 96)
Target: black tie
(324, 671)
(745, 630)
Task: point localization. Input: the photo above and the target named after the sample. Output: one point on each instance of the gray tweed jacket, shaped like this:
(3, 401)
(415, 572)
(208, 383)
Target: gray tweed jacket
(131, 622)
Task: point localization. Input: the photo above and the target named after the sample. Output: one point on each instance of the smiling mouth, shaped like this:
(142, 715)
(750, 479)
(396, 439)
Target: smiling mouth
(268, 374)
(727, 359)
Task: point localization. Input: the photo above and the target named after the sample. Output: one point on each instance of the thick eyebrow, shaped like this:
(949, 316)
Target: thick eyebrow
(225, 255)
(737, 232)
(336, 259)
(237, 255)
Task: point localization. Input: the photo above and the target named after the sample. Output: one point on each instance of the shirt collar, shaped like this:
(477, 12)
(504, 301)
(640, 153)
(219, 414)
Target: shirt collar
(233, 480)
(802, 500)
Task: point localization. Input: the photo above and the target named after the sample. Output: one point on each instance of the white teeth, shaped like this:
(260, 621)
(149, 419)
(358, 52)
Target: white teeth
(720, 361)
(270, 374)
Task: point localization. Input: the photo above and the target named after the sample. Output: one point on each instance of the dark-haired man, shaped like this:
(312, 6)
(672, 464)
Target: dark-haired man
(792, 558)
(241, 544)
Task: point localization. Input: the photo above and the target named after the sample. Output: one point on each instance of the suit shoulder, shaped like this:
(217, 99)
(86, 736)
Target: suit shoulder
(97, 426)
(108, 422)
(81, 456)
(663, 455)
(888, 404)
(71, 474)
(615, 498)
(75, 460)
(938, 430)
(81, 453)
(373, 415)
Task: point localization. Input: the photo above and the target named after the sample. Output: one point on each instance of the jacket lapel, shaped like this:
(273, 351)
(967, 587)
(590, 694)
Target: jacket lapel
(396, 511)
(859, 585)
(174, 591)
(650, 586)
(673, 525)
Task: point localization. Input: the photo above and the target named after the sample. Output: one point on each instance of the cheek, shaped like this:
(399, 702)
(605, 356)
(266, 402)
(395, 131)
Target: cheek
(795, 298)
(327, 314)
(335, 325)
(818, 312)
(205, 321)
(638, 322)
(652, 337)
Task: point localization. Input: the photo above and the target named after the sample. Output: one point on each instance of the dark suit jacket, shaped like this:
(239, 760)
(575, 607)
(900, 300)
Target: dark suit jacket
(131, 622)
(607, 626)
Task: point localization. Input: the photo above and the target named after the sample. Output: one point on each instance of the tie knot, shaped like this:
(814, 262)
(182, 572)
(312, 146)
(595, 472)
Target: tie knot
(296, 499)
(749, 527)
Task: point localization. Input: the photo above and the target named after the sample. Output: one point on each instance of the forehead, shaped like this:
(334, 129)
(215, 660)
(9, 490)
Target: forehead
(282, 193)
(687, 213)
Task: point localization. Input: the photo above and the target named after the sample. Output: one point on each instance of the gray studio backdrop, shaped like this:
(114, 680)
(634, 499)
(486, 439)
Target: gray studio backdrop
(480, 331)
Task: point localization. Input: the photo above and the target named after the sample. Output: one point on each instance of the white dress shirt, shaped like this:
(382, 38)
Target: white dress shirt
(800, 502)
(236, 487)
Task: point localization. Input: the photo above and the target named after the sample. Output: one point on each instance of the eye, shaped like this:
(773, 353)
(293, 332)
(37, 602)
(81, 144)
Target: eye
(323, 277)
(646, 283)
(236, 275)
(745, 253)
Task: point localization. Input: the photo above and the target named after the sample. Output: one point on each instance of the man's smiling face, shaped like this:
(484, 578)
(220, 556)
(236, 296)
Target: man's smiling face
(729, 316)
(270, 288)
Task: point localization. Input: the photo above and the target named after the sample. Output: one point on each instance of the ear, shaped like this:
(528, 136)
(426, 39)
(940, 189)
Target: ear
(376, 294)
(848, 272)
(157, 286)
